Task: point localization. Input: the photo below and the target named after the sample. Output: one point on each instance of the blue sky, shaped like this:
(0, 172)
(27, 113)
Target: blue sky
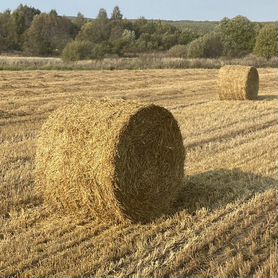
(259, 10)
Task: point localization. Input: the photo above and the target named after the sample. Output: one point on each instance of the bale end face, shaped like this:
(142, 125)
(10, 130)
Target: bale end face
(149, 163)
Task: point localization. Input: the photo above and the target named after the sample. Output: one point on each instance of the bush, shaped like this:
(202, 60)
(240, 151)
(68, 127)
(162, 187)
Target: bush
(77, 50)
(208, 46)
(266, 42)
(195, 49)
(178, 51)
(100, 50)
(213, 46)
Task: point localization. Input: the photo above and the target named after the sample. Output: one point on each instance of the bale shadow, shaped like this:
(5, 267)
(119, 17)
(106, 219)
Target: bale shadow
(214, 189)
(267, 97)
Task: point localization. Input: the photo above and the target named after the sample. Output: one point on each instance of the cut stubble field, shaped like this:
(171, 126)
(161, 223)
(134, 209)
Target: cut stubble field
(224, 222)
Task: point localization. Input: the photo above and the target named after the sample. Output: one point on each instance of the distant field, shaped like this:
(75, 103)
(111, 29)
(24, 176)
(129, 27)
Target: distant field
(224, 223)
(200, 27)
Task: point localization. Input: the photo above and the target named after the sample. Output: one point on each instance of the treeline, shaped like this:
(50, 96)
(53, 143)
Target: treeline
(232, 38)
(47, 34)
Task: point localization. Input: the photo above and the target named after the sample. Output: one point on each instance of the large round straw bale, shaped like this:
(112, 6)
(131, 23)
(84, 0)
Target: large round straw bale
(238, 83)
(121, 160)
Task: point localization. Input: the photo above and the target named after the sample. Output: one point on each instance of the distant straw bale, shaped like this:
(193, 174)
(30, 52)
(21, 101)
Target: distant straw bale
(238, 83)
(114, 159)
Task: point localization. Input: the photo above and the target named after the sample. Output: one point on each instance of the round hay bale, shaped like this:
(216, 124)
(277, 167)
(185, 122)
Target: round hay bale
(238, 83)
(119, 160)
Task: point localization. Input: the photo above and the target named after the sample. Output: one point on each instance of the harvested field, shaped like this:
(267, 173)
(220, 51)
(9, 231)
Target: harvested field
(225, 220)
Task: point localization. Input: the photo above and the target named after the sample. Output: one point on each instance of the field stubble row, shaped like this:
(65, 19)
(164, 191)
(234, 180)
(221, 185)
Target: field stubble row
(224, 222)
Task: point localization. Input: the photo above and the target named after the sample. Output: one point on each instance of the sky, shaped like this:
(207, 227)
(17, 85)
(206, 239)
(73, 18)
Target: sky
(256, 10)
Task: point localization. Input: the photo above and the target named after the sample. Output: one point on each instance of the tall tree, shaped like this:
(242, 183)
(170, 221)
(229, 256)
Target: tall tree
(208, 46)
(23, 17)
(8, 35)
(80, 20)
(102, 15)
(97, 31)
(266, 42)
(116, 14)
(238, 35)
(53, 13)
(48, 34)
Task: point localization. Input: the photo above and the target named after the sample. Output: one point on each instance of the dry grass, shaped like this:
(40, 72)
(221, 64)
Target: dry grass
(225, 221)
(143, 61)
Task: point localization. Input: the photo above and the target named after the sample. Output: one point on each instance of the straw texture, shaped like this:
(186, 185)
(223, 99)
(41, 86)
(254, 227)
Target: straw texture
(119, 160)
(238, 83)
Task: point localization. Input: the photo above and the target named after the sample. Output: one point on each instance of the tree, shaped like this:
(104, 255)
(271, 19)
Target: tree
(102, 15)
(116, 14)
(187, 36)
(96, 32)
(213, 46)
(100, 50)
(153, 35)
(128, 36)
(8, 35)
(116, 33)
(23, 17)
(178, 51)
(79, 21)
(53, 13)
(48, 34)
(147, 42)
(266, 42)
(238, 36)
(168, 40)
(124, 43)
